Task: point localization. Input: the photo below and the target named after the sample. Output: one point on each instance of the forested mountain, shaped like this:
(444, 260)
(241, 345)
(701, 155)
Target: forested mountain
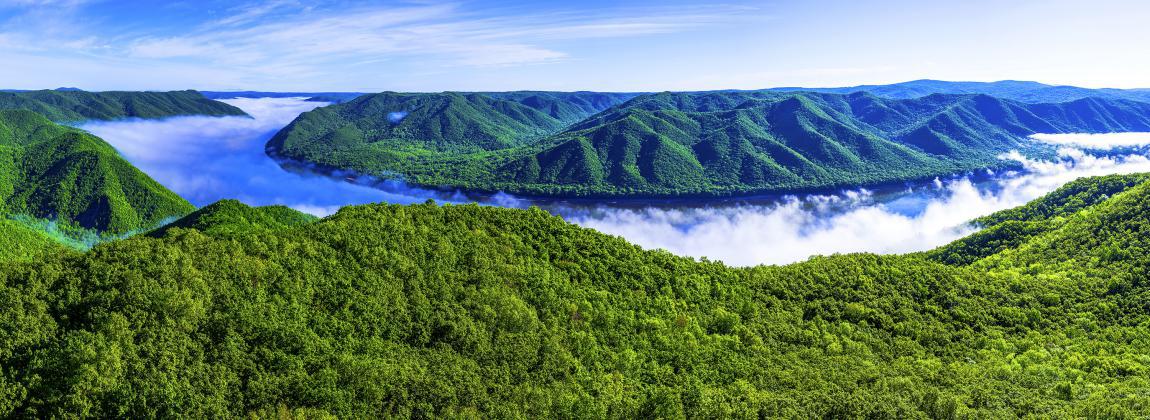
(63, 174)
(469, 311)
(77, 105)
(1031, 92)
(704, 143)
(415, 123)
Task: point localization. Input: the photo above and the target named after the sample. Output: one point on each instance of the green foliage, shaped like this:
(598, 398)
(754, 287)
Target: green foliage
(73, 106)
(54, 172)
(469, 311)
(231, 218)
(24, 243)
(1010, 228)
(707, 143)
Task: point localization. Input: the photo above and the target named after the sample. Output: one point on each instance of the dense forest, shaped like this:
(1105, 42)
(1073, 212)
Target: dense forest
(50, 171)
(78, 105)
(693, 143)
(469, 311)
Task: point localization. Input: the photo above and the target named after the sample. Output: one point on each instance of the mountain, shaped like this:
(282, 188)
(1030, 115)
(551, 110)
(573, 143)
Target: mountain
(76, 105)
(701, 143)
(1029, 92)
(67, 175)
(398, 127)
(470, 311)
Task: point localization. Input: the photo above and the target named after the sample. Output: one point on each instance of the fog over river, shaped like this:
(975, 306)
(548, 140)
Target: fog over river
(205, 159)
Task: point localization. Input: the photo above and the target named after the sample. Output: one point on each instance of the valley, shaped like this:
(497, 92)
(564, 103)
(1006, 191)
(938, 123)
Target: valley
(207, 159)
(256, 287)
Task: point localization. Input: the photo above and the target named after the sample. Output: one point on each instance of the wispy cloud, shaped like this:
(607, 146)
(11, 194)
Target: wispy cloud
(290, 39)
(443, 30)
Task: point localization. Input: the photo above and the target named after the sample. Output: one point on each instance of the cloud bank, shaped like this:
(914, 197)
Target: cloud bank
(797, 228)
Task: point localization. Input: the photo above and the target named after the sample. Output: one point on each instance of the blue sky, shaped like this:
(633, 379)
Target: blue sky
(288, 45)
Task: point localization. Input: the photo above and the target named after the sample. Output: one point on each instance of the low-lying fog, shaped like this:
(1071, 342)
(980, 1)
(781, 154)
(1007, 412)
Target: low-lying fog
(205, 159)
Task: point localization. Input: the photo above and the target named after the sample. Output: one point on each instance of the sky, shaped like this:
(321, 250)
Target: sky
(371, 46)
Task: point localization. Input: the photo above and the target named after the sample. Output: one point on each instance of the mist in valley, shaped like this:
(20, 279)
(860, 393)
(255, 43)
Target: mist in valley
(205, 159)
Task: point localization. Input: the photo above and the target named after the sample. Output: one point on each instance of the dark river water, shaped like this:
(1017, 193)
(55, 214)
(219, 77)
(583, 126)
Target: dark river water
(205, 159)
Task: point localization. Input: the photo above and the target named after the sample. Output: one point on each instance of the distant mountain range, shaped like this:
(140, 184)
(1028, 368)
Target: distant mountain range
(687, 143)
(70, 105)
(1030, 92)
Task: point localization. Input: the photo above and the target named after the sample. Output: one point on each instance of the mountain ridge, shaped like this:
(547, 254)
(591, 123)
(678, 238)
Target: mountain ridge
(77, 105)
(687, 144)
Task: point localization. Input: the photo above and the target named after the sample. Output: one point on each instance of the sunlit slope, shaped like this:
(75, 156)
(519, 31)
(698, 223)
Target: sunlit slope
(230, 217)
(1010, 229)
(427, 311)
(399, 123)
(24, 243)
(1108, 241)
(60, 173)
(709, 143)
(80, 105)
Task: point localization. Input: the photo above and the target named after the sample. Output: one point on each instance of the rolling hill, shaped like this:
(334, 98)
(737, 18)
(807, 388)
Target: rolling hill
(60, 173)
(77, 105)
(470, 311)
(667, 144)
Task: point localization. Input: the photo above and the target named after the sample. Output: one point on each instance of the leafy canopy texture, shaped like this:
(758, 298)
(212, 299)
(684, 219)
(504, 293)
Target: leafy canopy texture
(469, 311)
(693, 143)
(63, 174)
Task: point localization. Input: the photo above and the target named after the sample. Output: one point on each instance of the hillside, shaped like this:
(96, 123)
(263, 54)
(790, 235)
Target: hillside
(469, 311)
(55, 172)
(230, 217)
(1030, 92)
(666, 144)
(25, 243)
(78, 105)
(399, 125)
